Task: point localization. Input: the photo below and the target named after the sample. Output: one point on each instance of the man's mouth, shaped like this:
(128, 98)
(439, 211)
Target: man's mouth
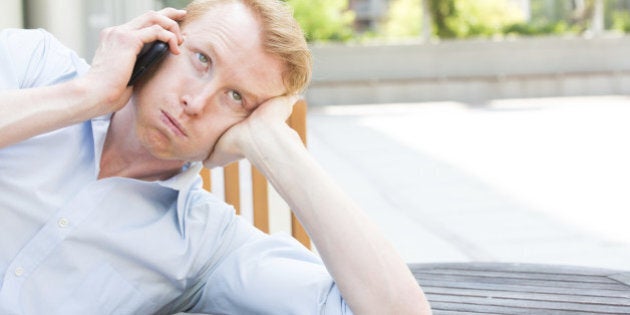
(173, 124)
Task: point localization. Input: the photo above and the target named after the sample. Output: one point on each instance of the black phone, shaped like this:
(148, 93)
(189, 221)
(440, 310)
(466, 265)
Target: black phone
(149, 56)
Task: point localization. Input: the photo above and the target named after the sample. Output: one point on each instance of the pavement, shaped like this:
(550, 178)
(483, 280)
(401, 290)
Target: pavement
(519, 180)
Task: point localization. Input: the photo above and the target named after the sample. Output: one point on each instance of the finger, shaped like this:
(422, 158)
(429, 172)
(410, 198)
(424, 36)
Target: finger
(173, 13)
(165, 18)
(156, 32)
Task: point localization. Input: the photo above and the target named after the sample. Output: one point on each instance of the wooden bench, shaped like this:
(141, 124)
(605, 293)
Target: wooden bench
(504, 288)
(260, 188)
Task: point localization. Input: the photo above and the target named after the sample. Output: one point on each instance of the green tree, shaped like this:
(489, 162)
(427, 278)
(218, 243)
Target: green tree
(562, 17)
(404, 19)
(485, 17)
(441, 12)
(324, 19)
(617, 15)
(466, 18)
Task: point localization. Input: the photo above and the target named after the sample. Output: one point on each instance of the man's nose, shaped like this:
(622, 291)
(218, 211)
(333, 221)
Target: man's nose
(197, 99)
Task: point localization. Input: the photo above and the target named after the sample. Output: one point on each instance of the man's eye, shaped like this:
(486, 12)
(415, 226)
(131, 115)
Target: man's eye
(203, 58)
(235, 96)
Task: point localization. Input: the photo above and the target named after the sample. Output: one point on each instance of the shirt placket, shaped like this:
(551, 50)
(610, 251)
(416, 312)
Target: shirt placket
(54, 231)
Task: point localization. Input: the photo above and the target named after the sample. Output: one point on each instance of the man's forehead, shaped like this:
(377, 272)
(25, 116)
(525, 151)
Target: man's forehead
(231, 21)
(231, 34)
(234, 11)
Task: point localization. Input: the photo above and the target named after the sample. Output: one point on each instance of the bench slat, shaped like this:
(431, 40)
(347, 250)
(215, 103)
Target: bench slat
(503, 288)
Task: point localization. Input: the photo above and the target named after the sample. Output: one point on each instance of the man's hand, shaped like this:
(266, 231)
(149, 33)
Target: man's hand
(29, 112)
(249, 135)
(117, 51)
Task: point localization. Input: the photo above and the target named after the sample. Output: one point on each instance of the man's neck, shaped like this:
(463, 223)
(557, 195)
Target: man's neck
(124, 156)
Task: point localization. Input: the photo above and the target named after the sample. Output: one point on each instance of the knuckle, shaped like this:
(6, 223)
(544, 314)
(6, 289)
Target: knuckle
(112, 33)
(171, 23)
(153, 15)
(104, 33)
(117, 35)
(157, 28)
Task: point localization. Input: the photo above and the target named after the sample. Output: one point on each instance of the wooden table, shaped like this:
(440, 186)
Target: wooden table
(501, 288)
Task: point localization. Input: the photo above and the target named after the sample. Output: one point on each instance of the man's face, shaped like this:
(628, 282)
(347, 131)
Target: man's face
(220, 77)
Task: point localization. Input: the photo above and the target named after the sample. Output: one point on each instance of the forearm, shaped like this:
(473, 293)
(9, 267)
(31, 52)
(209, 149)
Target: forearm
(29, 112)
(370, 274)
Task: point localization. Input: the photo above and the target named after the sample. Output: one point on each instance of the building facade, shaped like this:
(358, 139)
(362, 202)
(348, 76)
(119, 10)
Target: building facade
(368, 12)
(77, 23)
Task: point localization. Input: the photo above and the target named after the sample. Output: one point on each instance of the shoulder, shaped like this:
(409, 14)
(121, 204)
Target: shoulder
(23, 37)
(35, 57)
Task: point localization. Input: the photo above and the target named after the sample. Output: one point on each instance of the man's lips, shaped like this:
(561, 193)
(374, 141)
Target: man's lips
(173, 124)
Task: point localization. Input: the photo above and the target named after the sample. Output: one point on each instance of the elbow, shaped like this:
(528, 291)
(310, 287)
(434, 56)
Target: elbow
(412, 303)
(423, 307)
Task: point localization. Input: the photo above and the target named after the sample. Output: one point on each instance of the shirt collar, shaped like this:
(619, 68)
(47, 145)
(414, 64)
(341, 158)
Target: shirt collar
(100, 125)
(182, 180)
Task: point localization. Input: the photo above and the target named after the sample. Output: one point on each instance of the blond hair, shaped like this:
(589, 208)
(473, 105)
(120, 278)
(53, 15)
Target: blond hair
(281, 36)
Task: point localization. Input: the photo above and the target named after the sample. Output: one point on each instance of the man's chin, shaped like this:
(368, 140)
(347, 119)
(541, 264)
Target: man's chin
(169, 157)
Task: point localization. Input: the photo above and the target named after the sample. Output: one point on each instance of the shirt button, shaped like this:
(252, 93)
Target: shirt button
(63, 223)
(18, 271)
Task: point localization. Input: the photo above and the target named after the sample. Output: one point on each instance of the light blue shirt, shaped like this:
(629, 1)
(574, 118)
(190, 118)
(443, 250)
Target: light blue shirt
(72, 244)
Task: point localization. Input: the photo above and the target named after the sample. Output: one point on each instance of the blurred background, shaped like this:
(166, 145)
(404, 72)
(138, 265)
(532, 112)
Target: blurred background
(378, 51)
(470, 130)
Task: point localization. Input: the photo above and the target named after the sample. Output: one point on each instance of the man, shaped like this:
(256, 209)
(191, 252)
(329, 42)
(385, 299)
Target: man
(102, 210)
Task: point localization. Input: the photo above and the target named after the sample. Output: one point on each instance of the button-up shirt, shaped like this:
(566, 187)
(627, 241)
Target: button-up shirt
(74, 244)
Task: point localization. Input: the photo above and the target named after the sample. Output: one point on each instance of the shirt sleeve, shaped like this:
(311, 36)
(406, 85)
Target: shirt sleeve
(270, 275)
(31, 58)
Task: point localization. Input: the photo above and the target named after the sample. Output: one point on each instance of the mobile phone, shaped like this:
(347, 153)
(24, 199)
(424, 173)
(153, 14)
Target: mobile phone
(149, 56)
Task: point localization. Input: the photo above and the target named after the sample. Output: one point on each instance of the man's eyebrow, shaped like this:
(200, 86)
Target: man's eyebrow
(211, 50)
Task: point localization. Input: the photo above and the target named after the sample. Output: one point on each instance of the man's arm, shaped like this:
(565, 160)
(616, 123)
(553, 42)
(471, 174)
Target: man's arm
(26, 113)
(103, 89)
(370, 274)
